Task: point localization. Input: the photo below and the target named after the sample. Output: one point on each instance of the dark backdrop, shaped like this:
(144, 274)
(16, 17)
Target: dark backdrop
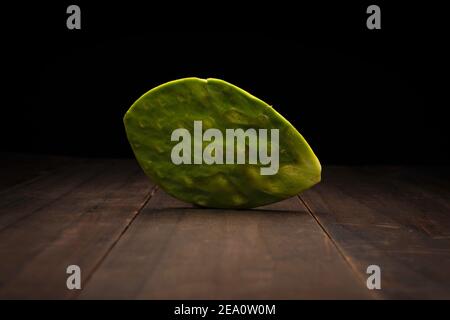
(357, 96)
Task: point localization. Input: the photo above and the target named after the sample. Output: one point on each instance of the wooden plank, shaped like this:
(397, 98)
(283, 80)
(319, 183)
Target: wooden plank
(20, 201)
(397, 218)
(16, 168)
(77, 225)
(176, 251)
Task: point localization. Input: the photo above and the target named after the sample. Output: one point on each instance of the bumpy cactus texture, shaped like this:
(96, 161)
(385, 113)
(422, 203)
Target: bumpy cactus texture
(177, 104)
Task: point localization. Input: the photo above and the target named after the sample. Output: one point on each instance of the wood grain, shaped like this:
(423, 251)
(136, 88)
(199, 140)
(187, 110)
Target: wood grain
(18, 168)
(133, 243)
(397, 218)
(71, 217)
(176, 251)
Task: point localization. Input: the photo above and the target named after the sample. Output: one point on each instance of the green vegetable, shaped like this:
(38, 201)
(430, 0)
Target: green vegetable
(153, 118)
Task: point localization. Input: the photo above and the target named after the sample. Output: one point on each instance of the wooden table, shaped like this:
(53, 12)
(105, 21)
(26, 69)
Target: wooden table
(132, 240)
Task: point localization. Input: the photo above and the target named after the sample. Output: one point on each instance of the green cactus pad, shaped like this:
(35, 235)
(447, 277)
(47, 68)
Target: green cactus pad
(149, 124)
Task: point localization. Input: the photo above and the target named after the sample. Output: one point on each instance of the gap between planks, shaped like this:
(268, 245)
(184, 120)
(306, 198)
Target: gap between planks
(67, 231)
(336, 245)
(153, 190)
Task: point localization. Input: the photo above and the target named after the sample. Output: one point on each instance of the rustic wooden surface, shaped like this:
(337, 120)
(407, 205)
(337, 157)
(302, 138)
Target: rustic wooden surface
(133, 241)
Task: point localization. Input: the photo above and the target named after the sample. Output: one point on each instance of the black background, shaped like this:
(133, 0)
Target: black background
(358, 96)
